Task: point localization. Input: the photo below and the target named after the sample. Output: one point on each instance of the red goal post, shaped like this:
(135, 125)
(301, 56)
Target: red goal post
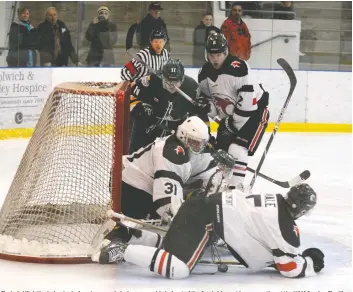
(69, 175)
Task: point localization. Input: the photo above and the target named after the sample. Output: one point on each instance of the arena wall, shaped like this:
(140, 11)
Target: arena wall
(322, 101)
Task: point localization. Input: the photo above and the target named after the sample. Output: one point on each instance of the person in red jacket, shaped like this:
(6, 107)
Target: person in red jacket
(237, 34)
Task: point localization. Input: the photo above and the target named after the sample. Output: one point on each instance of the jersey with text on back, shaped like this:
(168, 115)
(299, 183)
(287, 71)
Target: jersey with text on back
(259, 228)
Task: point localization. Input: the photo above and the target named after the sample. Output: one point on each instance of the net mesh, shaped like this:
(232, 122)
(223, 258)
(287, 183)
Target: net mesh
(61, 191)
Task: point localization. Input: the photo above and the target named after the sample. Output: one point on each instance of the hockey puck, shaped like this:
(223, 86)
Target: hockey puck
(223, 268)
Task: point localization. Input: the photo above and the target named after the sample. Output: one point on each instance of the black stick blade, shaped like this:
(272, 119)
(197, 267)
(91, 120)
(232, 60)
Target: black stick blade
(288, 69)
(305, 175)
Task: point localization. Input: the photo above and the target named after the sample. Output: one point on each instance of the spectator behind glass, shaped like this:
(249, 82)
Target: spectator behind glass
(250, 8)
(151, 22)
(284, 6)
(102, 33)
(201, 32)
(23, 41)
(55, 46)
(237, 34)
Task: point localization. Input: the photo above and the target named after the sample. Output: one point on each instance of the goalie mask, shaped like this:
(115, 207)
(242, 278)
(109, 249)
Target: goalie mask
(301, 199)
(193, 133)
(173, 74)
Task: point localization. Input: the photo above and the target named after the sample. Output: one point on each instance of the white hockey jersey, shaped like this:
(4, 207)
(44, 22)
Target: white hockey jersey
(163, 167)
(259, 229)
(232, 90)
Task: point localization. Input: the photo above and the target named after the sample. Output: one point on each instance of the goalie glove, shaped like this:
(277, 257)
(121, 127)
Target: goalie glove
(171, 210)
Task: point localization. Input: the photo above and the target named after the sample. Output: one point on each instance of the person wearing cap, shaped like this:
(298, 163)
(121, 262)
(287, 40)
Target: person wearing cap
(151, 22)
(102, 34)
(55, 45)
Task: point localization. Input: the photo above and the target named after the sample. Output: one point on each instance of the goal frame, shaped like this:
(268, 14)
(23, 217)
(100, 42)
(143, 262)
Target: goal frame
(121, 144)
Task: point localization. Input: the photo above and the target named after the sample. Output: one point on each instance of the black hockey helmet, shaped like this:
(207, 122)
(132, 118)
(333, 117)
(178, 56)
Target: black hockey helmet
(301, 198)
(173, 70)
(158, 34)
(216, 43)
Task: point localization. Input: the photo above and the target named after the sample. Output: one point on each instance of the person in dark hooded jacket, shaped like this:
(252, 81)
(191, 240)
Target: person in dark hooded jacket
(151, 22)
(102, 33)
(23, 41)
(201, 32)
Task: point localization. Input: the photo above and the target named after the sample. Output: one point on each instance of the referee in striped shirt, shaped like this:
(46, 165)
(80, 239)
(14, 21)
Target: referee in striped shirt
(155, 56)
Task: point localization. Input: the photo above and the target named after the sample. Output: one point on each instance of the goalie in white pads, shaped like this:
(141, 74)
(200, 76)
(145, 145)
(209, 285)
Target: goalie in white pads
(153, 177)
(259, 229)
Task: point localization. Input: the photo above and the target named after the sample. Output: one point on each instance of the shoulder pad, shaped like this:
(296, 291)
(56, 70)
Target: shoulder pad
(174, 151)
(204, 72)
(235, 67)
(189, 86)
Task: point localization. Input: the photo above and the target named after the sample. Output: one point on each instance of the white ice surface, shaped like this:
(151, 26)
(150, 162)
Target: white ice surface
(329, 159)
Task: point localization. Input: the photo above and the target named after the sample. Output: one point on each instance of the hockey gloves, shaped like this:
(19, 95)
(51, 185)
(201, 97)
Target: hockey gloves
(317, 256)
(171, 210)
(202, 106)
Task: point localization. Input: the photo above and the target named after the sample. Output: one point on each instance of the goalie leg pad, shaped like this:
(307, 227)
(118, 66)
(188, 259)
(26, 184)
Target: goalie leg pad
(157, 260)
(146, 238)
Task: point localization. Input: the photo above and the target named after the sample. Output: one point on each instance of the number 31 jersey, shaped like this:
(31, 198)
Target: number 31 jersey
(163, 167)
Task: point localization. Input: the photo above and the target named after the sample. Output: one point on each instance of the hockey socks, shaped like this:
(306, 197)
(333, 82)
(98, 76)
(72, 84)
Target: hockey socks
(157, 260)
(240, 154)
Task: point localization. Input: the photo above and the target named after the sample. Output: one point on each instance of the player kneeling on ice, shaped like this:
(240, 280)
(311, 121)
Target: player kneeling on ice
(153, 180)
(259, 229)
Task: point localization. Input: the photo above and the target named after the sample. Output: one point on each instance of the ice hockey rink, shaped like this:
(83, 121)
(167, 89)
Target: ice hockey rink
(329, 227)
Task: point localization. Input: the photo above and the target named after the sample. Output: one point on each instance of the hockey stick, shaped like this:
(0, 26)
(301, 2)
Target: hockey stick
(111, 213)
(132, 53)
(228, 263)
(293, 82)
(284, 184)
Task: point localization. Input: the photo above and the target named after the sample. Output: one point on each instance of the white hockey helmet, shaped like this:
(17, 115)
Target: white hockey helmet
(193, 133)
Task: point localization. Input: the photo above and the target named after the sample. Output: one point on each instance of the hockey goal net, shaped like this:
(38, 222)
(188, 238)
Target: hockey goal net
(69, 175)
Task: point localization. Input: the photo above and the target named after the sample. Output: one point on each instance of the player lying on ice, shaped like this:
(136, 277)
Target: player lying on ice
(259, 229)
(154, 177)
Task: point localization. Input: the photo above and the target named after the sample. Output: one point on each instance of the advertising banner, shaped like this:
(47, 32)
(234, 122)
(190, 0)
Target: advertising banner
(23, 93)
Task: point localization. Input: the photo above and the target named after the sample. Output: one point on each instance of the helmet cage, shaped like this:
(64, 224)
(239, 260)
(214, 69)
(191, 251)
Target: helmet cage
(195, 145)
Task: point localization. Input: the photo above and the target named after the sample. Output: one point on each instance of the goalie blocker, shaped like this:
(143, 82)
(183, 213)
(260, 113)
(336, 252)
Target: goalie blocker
(260, 231)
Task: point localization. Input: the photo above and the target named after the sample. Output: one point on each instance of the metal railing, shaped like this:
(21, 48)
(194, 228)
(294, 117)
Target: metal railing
(257, 11)
(273, 38)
